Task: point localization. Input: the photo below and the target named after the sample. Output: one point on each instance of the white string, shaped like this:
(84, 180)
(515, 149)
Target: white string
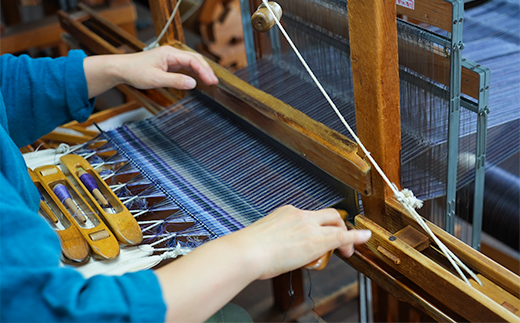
(155, 43)
(406, 197)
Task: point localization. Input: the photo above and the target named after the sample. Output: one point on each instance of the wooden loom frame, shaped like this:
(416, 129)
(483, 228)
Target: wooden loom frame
(443, 299)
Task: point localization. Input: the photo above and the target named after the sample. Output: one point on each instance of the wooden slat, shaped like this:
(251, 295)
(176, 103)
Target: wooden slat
(366, 262)
(434, 279)
(375, 73)
(46, 32)
(325, 148)
(103, 115)
(154, 100)
(437, 13)
(437, 68)
(122, 35)
(474, 259)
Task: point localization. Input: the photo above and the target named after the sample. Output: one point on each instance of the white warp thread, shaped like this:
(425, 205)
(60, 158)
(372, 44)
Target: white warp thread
(131, 259)
(406, 197)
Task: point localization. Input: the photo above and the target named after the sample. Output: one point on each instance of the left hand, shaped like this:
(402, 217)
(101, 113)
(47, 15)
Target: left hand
(156, 68)
(146, 70)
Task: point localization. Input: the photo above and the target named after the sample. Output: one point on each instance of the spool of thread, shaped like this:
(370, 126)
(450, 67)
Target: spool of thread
(65, 198)
(262, 20)
(91, 185)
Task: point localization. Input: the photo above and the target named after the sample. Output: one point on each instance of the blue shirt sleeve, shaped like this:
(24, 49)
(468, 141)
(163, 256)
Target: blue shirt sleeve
(40, 94)
(34, 287)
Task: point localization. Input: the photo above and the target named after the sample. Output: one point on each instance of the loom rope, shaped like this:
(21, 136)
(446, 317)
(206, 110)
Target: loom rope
(405, 196)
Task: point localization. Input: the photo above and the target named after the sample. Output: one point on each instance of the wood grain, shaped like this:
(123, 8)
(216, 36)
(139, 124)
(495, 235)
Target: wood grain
(73, 246)
(437, 13)
(375, 74)
(476, 260)
(161, 11)
(434, 279)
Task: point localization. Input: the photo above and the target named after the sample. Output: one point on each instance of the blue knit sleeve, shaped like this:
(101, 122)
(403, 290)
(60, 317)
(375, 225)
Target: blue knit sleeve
(34, 288)
(42, 93)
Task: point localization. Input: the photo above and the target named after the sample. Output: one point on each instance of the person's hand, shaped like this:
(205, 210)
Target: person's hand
(146, 70)
(287, 239)
(157, 68)
(290, 238)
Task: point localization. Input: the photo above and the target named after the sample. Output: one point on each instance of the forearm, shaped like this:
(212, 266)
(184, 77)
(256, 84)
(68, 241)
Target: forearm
(102, 72)
(199, 284)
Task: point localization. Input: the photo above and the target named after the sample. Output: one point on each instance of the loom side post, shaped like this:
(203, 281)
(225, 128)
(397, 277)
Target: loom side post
(373, 45)
(454, 115)
(161, 11)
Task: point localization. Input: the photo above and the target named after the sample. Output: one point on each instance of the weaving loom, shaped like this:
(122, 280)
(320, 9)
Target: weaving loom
(229, 168)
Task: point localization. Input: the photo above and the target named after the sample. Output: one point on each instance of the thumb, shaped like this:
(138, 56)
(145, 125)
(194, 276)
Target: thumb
(354, 237)
(360, 236)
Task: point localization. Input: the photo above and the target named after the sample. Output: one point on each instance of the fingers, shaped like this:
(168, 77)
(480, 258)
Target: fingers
(175, 80)
(328, 217)
(336, 235)
(178, 59)
(355, 237)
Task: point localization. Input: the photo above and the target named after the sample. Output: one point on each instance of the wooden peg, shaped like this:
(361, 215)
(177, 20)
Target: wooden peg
(262, 20)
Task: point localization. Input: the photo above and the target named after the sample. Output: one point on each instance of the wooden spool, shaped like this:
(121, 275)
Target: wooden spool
(262, 20)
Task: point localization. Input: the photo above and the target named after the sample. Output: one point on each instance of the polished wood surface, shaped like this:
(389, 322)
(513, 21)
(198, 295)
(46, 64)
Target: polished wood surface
(107, 248)
(437, 13)
(434, 278)
(437, 304)
(121, 222)
(161, 11)
(73, 246)
(375, 74)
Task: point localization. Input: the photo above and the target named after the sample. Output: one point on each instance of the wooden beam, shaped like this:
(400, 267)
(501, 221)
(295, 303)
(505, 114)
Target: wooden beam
(437, 13)
(154, 100)
(501, 276)
(466, 300)
(375, 73)
(47, 31)
(161, 11)
(325, 148)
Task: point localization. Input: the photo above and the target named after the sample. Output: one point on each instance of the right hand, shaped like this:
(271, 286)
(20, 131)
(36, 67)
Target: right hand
(290, 238)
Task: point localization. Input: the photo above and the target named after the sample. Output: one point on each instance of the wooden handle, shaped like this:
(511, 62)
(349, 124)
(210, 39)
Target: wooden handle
(262, 20)
(48, 212)
(74, 210)
(321, 262)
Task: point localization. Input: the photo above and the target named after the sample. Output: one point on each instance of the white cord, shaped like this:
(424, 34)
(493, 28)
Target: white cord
(406, 197)
(155, 43)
